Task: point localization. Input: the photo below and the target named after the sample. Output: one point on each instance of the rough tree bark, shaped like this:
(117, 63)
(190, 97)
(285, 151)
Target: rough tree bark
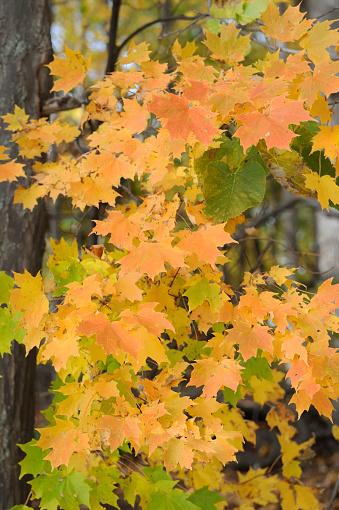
(25, 47)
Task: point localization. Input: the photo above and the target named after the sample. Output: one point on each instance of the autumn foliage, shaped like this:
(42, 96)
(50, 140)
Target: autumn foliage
(153, 296)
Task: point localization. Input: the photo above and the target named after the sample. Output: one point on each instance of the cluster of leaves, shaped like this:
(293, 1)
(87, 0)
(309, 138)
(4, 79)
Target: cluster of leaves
(153, 299)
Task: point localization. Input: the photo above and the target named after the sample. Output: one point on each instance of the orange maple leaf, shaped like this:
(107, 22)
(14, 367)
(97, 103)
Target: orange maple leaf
(214, 375)
(181, 118)
(73, 70)
(11, 170)
(120, 429)
(150, 258)
(146, 316)
(271, 124)
(205, 241)
(250, 339)
(121, 229)
(113, 336)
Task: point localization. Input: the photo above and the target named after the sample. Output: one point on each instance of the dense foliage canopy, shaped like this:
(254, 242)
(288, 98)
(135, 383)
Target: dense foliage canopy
(152, 346)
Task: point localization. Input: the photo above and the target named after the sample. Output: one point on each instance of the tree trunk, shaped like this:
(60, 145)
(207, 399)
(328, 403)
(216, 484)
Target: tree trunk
(25, 47)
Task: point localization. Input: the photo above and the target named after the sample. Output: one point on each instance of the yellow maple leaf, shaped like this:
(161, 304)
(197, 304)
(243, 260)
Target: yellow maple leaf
(30, 298)
(28, 197)
(325, 186)
(11, 170)
(72, 70)
(16, 121)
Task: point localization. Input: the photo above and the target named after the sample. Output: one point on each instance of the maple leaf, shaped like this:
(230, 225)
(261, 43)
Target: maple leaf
(16, 121)
(250, 339)
(73, 70)
(150, 258)
(325, 186)
(285, 27)
(323, 79)
(121, 229)
(146, 316)
(205, 242)
(177, 451)
(272, 124)
(328, 139)
(213, 375)
(61, 438)
(30, 298)
(11, 170)
(318, 39)
(120, 429)
(224, 451)
(136, 54)
(126, 287)
(229, 47)
(113, 336)
(29, 197)
(181, 118)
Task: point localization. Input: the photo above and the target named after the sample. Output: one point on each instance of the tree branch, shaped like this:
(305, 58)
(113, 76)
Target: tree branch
(113, 48)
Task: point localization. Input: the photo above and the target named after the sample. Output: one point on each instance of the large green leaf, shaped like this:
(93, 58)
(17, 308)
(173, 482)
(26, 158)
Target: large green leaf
(228, 193)
(233, 181)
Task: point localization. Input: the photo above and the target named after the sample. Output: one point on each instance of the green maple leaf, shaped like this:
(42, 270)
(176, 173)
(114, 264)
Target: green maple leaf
(34, 463)
(205, 499)
(6, 285)
(8, 323)
(170, 500)
(59, 489)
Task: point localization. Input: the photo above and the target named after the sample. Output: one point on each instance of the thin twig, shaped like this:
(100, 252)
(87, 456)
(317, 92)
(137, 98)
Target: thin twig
(328, 12)
(159, 20)
(334, 494)
(259, 259)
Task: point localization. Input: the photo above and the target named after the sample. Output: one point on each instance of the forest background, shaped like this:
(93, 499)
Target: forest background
(274, 228)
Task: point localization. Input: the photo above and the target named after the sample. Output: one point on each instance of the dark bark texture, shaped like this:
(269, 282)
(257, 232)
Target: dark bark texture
(25, 47)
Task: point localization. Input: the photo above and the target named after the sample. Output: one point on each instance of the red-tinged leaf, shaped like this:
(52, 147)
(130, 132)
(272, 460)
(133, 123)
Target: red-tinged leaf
(323, 79)
(113, 336)
(146, 316)
(271, 124)
(181, 118)
(120, 429)
(297, 372)
(250, 339)
(214, 375)
(150, 258)
(205, 242)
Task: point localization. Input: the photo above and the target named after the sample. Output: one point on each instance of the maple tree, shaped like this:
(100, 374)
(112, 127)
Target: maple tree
(153, 297)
